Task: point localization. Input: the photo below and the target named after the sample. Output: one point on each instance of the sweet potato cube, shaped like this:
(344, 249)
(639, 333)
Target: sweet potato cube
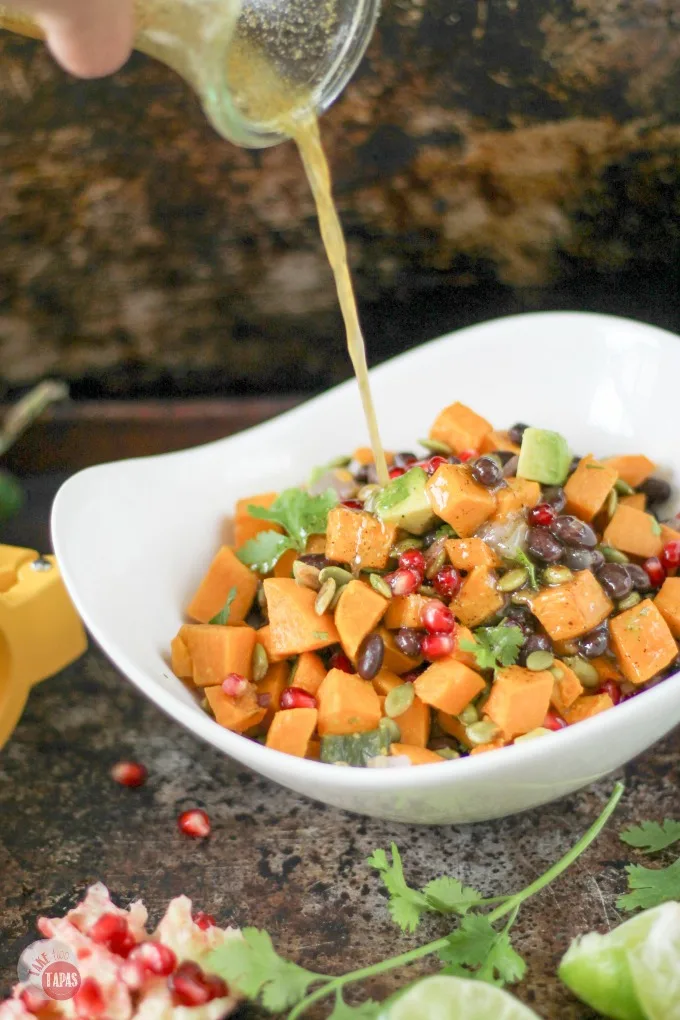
(394, 658)
(358, 538)
(274, 684)
(314, 750)
(634, 532)
(247, 527)
(586, 707)
(528, 492)
(507, 503)
(217, 651)
(668, 604)
(569, 610)
(633, 468)
(284, 565)
(358, 612)
(478, 598)
(264, 637)
(492, 745)
(498, 441)
(587, 489)
(309, 672)
(416, 755)
(638, 500)
(363, 455)
(347, 704)
(224, 573)
(452, 725)
(519, 700)
(414, 724)
(405, 611)
(669, 534)
(460, 428)
(642, 641)
(292, 730)
(316, 544)
(466, 553)
(448, 685)
(459, 500)
(566, 686)
(295, 625)
(607, 669)
(463, 635)
(237, 714)
(180, 661)
(385, 681)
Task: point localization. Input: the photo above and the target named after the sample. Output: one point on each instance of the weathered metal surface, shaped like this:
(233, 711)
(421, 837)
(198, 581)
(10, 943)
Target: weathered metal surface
(489, 157)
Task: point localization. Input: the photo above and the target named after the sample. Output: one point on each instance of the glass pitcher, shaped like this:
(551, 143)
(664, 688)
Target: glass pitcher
(308, 50)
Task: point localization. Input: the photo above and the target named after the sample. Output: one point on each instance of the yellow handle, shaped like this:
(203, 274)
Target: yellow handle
(40, 631)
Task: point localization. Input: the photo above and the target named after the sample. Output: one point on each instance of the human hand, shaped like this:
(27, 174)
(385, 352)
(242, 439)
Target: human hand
(89, 38)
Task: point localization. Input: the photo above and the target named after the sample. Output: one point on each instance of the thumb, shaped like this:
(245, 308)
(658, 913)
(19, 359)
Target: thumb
(89, 38)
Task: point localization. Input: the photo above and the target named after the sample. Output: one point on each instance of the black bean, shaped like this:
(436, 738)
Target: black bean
(615, 580)
(639, 577)
(542, 545)
(453, 459)
(487, 472)
(524, 622)
(504, 456)
(510, 466)
(317, 560)
(407, 641)
(597, 559)
(516, 432)
(578, 559)
(575, 461)
(657, 490)
(535, 643)
(429, 537)
(594, 643)
(370, 656)
(572, 531)
(555, 496)
(405, 460)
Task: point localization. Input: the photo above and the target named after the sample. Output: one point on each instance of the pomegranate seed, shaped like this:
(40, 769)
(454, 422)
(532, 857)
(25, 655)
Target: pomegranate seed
(88, 1000)
(297, 697)
(431, 465)
(410, 677)
(654, 570)
(612, 689)
(340, 661)
(403, 582)
(437, 618)
(670, 557)
(217, 987)
(234, 685)
(194, 822)
(542, 515)
(188, 985)
(553, 721)
(154, 957)
(447, 582)
(436, 646)
(413, 559)
(132, 973)
(468, 455)
(129, 773)
(33, 999)
(111, 930)
(352, 504)
(397, 472)
(203, 920)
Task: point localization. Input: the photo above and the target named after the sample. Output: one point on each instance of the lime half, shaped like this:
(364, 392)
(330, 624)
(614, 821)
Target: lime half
(655, 965)
(452, 998)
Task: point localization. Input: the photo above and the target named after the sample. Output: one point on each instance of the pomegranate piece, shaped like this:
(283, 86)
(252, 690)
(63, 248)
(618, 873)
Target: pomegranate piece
(396, 472)
(352, 504)
(468, 455)
(154, 957)
(297, 697)
(413, 559)
(129, 773)
(447, 582)
(670, 556)
(436, 646)
(203, 920)
(403, 582)
(234, 685)
(191, 987)
(553, 721)
(612, 689)
(437, 618)
(195, 823)
(542, 515)
(88, 1000)
(339, 660)
(132, 973)
(111, 930)
(431, 465)
(655, 572)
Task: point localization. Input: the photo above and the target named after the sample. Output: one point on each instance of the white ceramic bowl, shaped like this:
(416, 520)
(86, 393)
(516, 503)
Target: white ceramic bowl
(133, 539)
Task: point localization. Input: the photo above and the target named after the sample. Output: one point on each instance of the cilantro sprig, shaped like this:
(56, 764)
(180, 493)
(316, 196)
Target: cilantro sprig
(529, 565)
(222, 618)
(650, 887)
(495, 647)
(651, 837)
(299, 514)
(477, 947)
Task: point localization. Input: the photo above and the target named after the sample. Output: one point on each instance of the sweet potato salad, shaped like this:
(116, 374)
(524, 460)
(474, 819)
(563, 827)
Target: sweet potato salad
(497, 590)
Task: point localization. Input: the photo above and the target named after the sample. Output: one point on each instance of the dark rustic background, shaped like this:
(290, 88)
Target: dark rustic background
(489, 157)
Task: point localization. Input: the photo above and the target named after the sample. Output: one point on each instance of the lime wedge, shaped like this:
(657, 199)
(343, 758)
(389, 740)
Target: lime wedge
(655, 965)
(596, 968)
(452, 998)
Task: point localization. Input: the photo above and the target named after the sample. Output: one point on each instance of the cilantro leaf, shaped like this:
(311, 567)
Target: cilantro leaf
(650, 886)
(651, 836)
(449, 896)
(476, 950)
(299, 513)
(530, 567)
(494, 647)
(365, 1011)
(222, 618)
(263, 552)
(253, 966)
(406, 905)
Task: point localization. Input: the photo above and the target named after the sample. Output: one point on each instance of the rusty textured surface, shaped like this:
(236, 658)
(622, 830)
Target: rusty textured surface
(274, 859)
(489, 157)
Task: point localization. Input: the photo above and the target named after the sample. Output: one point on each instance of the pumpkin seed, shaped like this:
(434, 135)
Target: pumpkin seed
(435, 564)
(339, 575)
(512, 580)
(436, 446)
(629, 601)
(260, 663)
(428, 591)
(623, 488)
(481, 732)
(406, 543)
(557, 672)
(366, 491)
(336, 597)
(585, 671)
(557, 575)
(448, 753)
(540, 731)
(469, 715)
(205, 705)
(613, 555)
(539, 660)
(261, 598)
(325, 596)
(391, 728)
(612, 502)
(339, 462)
(521, 598)
(306, 575)
(380, 585)
(399, 700)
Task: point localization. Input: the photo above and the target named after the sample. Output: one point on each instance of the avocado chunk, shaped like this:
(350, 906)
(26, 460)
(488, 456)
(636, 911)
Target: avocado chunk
(404, 502)
(544, 457)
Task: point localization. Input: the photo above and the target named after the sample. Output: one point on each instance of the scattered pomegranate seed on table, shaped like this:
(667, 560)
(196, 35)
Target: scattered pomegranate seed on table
(542, 515)
(234, 685)
(203, 920)
(403, 582)
(195, 823)
(340, 661)
(436, 646)
(129, 773)
(111, 930)
(413, 559)
(297, 697)
(437, 618)
(154, 957)
(655, 572)
(447, 582)
(670, 556)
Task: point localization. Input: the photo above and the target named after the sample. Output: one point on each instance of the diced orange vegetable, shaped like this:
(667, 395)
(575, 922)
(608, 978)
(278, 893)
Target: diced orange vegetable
(498, 441)
(667, 602)
(460, 428)
(633, 468)
(452, 725)
(669, 534)
(588, 487)
(634, 532)
(347, 704)
(478, 598)
(316, 544)
(358, 538)
(459, 500)
(309, 672)
(274, 684)
(492, 745)
(414, 724)
(313, 749)
(264, 637)
(237, 714)
(466, 553)
(519, 700)
(405, 611)
(528, 492)
(247, 527)
(463, 634)
(292, 730)
(642, 641)
(638, 501)
(566, 686)
(284, 565)
(385, 681)
(569, 610)
(364, 455)
(448, 685)
(225, 572)
(607, 669)
(416, 755)
(295, 625)
(586, 707)
(180, 661)
(507, 503)
(358, 611)
(217, 651)
(394, 659)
